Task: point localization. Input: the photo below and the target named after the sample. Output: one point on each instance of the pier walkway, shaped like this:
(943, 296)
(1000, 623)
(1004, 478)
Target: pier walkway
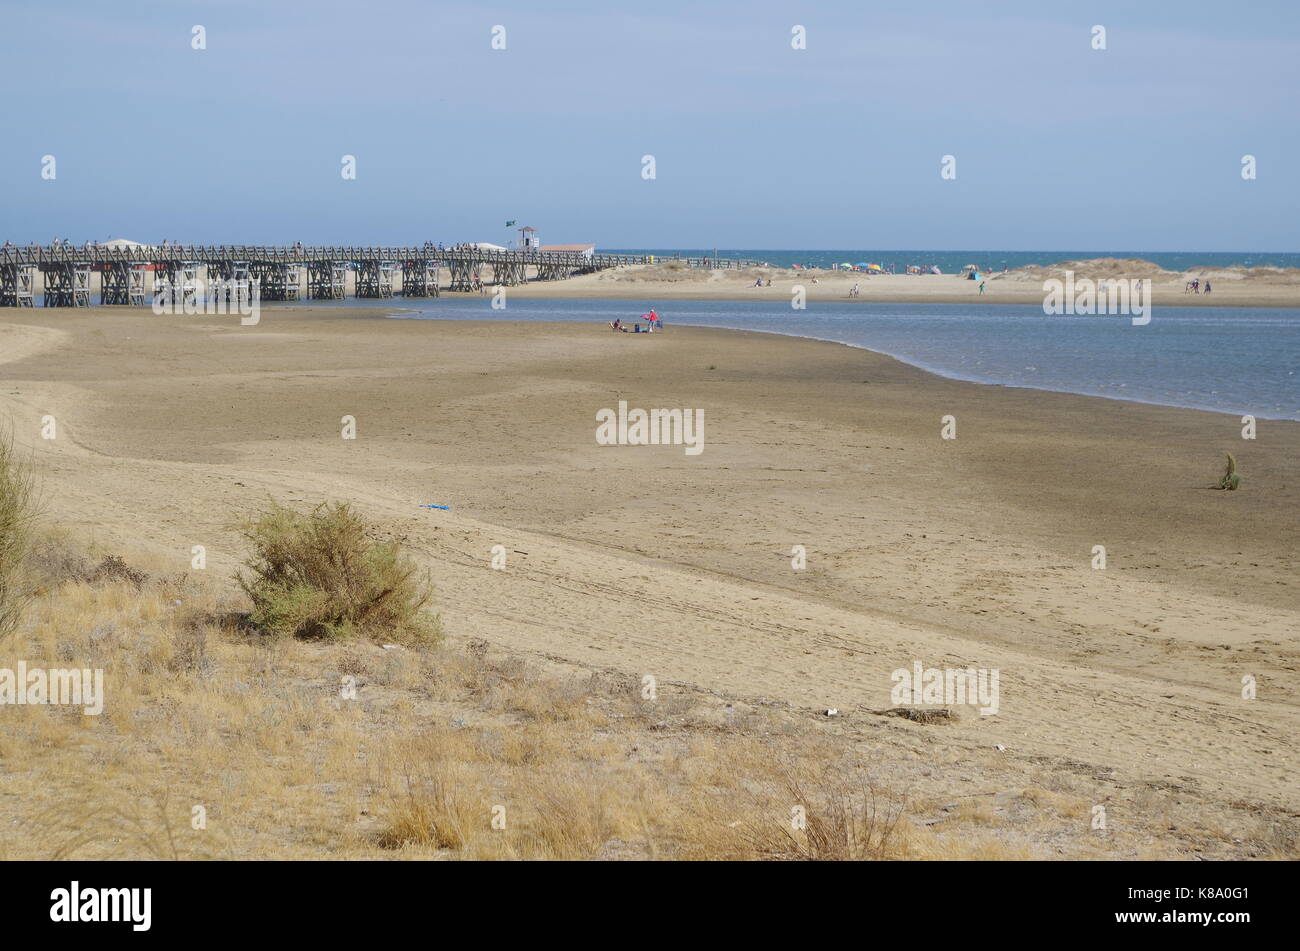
(277, 270)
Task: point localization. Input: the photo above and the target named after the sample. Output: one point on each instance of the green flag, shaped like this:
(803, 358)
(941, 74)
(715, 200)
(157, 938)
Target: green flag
(510, 224)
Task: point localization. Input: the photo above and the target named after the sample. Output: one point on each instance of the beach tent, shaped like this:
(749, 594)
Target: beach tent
(874, 267)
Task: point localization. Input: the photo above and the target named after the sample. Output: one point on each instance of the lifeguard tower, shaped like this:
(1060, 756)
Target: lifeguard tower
(528, 240)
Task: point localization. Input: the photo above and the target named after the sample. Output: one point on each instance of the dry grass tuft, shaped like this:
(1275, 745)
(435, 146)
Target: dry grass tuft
(17, 518)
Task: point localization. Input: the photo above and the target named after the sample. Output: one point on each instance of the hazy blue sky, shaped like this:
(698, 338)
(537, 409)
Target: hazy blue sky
(757, 145)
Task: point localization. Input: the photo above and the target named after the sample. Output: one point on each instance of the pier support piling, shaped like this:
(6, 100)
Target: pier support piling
(375, 278)
(462, 274)
(67, 283)
(420, 279)
(17, 281)
(115, 283)
(230, 284)
(327, 280)
(278, 280)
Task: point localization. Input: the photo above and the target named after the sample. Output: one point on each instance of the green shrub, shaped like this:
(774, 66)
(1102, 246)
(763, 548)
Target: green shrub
(1231, 477)
(322, 575)
(17, 517)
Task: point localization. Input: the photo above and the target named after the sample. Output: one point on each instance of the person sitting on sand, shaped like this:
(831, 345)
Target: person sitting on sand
(616, 323)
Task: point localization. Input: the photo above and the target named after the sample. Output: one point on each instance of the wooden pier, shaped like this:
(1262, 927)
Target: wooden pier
(276, 272)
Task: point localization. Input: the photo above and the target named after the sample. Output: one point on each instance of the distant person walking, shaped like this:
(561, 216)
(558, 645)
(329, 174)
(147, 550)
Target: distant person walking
(981, 287)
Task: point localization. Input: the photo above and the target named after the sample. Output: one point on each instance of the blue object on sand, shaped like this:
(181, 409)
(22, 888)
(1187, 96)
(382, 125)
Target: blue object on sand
(435, 506)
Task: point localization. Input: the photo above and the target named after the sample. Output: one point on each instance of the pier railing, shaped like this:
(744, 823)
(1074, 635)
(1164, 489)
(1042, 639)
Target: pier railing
(277, 269)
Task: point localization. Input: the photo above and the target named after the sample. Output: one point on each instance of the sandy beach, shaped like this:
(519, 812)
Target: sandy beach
(642, 560)
(1231, 287)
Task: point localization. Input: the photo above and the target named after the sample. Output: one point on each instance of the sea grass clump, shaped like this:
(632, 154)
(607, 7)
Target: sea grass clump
(1231, 477)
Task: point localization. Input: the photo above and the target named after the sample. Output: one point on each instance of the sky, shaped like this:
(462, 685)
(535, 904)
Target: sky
(1057, 145)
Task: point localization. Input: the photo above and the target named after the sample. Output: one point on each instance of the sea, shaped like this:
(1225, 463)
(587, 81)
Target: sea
(951, 262)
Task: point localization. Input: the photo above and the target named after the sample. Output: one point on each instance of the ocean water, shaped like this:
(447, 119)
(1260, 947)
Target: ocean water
(1231, 360)
(950, 262)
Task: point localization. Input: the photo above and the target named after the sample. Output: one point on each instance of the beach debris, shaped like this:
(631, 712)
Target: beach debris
(999, 747)
(444, 507)
(917, 715)
(832, 712)
(1231, 478)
